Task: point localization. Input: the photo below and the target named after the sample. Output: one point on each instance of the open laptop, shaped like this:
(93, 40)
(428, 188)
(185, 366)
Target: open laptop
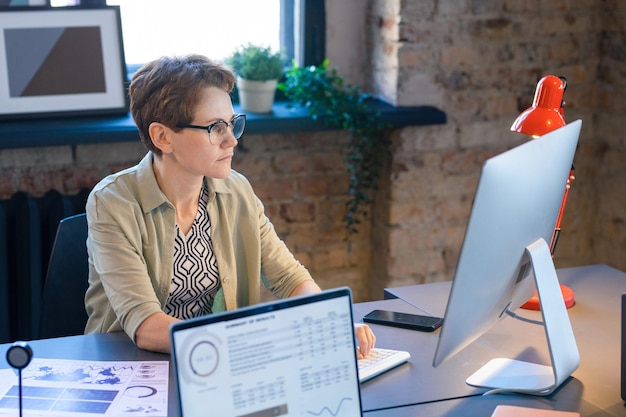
(295, 356)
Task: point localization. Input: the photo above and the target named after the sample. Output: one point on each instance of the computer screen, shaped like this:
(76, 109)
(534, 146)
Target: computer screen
(505, 257)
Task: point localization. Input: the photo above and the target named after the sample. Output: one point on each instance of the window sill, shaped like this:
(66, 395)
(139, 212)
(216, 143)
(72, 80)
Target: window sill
(109, 129)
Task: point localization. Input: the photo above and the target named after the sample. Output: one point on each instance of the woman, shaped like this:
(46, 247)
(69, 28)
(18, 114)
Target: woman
(181, 234)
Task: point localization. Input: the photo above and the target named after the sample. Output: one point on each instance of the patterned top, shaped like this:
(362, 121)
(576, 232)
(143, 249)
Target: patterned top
(196, 277)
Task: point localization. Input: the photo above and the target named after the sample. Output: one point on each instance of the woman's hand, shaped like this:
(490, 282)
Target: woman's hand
(366, 339)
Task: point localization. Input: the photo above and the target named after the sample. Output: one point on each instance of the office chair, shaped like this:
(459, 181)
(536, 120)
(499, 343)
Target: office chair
(63, 304)
(4, 278)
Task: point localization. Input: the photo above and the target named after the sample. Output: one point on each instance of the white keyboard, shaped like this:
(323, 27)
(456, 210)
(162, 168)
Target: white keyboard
(380, 360)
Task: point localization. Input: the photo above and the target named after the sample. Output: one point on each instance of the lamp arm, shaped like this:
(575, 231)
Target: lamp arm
(557, 228)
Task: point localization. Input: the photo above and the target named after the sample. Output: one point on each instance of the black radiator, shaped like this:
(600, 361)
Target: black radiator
(27, 229)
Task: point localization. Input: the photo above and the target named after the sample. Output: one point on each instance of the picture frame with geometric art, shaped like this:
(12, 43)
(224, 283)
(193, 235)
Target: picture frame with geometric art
(23, 3)
(61, 61)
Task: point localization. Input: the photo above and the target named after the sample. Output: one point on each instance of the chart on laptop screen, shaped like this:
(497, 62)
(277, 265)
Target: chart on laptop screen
(295, 361)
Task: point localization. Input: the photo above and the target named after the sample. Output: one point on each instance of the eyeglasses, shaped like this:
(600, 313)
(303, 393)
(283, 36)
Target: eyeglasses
(219, 130)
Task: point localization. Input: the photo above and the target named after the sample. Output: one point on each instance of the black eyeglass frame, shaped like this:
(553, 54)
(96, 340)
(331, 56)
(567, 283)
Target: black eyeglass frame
(210, 127)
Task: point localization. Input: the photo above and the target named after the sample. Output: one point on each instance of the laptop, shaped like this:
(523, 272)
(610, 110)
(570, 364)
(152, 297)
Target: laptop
(295, 356)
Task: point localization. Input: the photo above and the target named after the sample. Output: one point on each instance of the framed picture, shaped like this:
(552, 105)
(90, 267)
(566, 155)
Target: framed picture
(26, 3)
(61, 61)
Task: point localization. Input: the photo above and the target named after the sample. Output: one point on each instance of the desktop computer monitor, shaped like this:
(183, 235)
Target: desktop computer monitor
(505, 257)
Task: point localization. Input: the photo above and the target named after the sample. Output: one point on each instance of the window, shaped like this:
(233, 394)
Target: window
(214, 28)
(152, 28)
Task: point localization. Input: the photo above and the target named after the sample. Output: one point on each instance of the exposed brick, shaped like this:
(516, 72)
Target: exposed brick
(452, 8)
(521, 6)
(331, 210)
(117, 152)
(289, 163)
(82, 178)
(252, 165)
(301, 237)
(278, 189)
(297, 212)
(479, 7)
(313, 186)
(456, 55)
(339, 184)
(458, 162)
(496, 27)
(329, 259)
(333, 234)
(328, 161)
(28, 157)
(487, 69)
(566, 24)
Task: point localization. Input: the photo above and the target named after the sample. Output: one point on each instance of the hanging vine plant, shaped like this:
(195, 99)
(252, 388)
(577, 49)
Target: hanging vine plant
(323, 92)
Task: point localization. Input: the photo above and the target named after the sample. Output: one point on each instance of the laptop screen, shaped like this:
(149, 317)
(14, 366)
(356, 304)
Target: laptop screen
(292, 357)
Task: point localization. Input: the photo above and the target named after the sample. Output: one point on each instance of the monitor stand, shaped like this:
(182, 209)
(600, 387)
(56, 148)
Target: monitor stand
(509, 375)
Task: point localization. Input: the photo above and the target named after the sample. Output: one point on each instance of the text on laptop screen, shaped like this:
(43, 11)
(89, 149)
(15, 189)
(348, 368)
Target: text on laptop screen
(293, 357)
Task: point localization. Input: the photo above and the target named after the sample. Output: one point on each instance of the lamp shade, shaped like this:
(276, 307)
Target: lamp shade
(546, 113)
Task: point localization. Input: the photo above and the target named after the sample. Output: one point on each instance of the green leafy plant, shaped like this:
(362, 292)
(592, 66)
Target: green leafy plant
(323, 92)
(256, 63)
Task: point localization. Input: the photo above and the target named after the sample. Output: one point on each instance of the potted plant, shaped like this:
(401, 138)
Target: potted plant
(258, 70)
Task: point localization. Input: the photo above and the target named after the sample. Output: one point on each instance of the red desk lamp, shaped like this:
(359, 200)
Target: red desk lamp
(546, 115)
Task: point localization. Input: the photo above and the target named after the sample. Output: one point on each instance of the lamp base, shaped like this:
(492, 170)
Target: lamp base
(568, 298)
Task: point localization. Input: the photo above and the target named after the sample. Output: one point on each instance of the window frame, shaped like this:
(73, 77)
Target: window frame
(313, 35)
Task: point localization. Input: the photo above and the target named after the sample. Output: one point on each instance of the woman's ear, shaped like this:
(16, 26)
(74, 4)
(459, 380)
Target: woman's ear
(159, 134)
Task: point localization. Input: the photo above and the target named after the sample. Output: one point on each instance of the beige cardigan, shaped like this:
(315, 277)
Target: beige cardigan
(131, 248)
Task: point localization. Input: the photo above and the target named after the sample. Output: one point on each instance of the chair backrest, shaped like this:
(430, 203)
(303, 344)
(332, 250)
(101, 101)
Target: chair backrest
(63, 301)
(4, 279)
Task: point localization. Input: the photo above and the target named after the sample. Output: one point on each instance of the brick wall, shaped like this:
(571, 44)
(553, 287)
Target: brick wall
(480, 62)
(608, 215)
(299, 177)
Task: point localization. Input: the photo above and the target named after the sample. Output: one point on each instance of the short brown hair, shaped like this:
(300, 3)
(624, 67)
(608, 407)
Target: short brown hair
(166, 90)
